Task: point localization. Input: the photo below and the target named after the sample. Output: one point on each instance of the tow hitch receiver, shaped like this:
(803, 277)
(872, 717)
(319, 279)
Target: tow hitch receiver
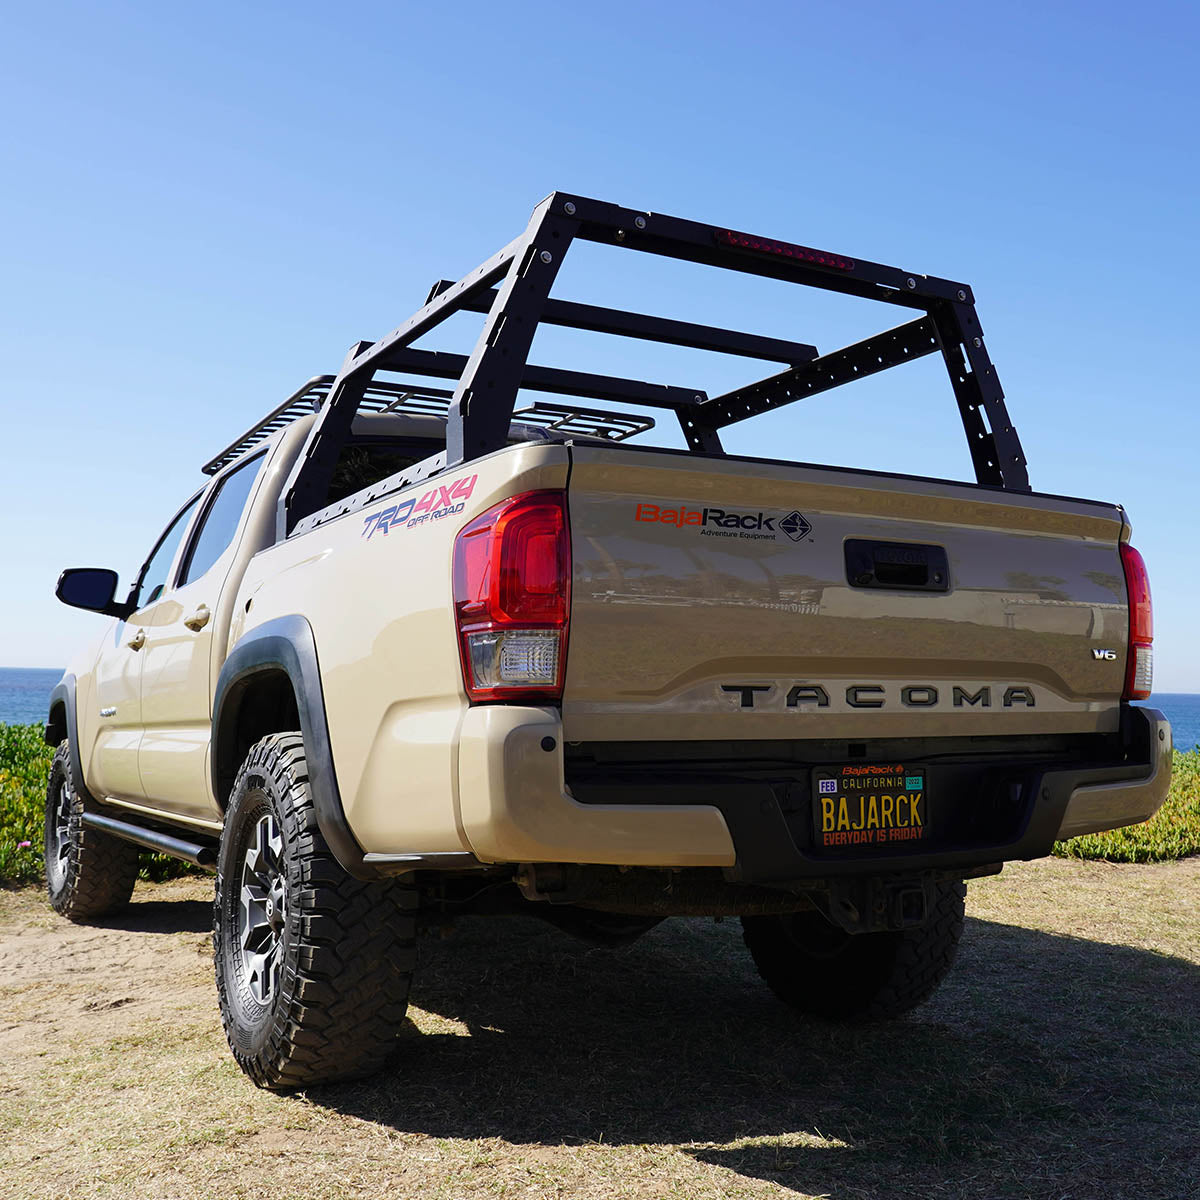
(874, 905)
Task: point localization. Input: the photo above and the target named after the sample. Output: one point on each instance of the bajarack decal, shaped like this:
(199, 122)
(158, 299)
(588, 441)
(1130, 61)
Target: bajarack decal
(725, 522)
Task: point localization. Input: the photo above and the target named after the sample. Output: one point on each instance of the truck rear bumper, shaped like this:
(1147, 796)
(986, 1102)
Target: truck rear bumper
(516, 807)
(1096, 806)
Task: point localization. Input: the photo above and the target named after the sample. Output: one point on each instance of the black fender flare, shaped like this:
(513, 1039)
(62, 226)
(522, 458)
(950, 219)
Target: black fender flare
(287, 644)
(55, 731)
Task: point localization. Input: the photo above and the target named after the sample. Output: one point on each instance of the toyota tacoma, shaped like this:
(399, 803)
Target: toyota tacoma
(415, 650)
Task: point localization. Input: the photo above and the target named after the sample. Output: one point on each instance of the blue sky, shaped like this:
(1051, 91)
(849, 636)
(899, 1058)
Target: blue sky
(201, 207)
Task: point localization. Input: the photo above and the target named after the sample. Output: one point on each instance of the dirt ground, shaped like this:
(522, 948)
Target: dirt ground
(1060, 1060)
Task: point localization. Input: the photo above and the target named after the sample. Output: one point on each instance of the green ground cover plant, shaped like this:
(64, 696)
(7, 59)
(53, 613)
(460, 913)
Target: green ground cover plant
(1174, 833)
(24, 765)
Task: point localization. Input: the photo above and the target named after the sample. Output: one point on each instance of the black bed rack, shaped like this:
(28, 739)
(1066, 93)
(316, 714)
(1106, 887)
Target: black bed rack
(513, 289)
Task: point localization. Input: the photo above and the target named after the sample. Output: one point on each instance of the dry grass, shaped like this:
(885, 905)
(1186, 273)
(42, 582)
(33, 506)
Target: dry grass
(1061, 1059)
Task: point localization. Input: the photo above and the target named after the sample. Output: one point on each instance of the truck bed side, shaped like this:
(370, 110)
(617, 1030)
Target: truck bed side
(375, 588)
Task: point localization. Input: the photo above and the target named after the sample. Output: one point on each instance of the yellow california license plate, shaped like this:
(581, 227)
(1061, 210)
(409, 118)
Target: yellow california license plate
(868, 805)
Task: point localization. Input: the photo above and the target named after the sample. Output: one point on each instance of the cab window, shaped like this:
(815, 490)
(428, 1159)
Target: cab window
(366, 461)
(221, 520)
(154, 573)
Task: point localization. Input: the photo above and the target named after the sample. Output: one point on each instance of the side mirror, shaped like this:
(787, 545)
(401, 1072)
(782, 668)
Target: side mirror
(92, 588)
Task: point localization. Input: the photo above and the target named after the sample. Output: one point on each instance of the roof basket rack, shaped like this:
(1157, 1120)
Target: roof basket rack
(420, 400)
(308, 398)
(584, 422)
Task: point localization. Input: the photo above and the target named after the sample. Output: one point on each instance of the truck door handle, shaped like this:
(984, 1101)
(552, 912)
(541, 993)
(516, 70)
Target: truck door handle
(198, 619)
(137, 641)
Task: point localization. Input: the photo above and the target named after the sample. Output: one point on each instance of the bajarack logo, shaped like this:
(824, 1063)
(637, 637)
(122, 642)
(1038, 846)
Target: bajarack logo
(795, 526)
(725, 522)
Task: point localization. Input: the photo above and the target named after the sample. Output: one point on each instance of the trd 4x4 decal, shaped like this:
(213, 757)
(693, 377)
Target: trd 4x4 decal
(441, 501)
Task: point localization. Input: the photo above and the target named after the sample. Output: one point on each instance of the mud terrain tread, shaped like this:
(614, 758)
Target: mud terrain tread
(101, 869)
(875, 977)
(924, 956)
(349, 950)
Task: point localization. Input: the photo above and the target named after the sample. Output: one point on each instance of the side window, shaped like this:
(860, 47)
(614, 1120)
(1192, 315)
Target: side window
(221, 521)
(154, 575)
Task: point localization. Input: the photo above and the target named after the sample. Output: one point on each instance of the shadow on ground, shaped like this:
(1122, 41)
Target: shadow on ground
(1045, 1067)
(162, 916)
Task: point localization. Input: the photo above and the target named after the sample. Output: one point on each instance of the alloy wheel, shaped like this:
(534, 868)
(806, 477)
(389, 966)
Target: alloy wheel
(262, 910)
(59, 850)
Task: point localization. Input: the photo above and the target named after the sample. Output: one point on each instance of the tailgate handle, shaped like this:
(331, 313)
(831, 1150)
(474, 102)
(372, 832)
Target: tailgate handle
(896, 566)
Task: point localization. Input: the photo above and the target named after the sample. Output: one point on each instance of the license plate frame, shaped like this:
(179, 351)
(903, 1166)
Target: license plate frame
(870, 808)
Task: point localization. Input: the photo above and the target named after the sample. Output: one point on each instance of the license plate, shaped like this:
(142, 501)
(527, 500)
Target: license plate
(867, 806)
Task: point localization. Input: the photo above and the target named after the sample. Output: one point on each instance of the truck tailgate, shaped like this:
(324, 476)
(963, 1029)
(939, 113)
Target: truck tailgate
(717, 599)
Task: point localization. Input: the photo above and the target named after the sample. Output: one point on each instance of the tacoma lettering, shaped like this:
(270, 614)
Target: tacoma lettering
(874, 695)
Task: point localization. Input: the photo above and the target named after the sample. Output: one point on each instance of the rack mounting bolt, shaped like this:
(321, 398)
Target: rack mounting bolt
(569, 208)
(961, 294)
(546, 256)
(640, 222)
(912, 283)
(978, 343)
(698, 398)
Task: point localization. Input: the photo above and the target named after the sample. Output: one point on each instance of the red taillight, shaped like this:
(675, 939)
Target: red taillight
(512, 591)
(1139, 665)
(818, 258)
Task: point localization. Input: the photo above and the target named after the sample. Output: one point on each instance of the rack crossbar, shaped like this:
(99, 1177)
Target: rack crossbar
(595, 319)
(906, 342)
(554, 380)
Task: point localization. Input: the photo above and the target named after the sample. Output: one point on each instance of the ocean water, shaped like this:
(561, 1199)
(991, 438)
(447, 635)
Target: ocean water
(25, 697)
(25, 694)
(1183, 711)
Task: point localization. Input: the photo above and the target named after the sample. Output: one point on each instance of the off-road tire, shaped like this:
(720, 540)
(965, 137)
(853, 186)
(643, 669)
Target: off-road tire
(818, 968)
(89, 874)
(328, 1002)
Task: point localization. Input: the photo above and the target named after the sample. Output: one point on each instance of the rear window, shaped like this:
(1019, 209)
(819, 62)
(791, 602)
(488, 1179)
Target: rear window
(366, 461)
(361, 463)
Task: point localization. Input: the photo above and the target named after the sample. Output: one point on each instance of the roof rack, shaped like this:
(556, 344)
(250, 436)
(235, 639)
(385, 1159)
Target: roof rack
(310, 396)
(384, 397)
(585, 422)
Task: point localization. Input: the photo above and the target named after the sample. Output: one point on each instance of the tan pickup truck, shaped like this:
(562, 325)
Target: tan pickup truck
(414, 652)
